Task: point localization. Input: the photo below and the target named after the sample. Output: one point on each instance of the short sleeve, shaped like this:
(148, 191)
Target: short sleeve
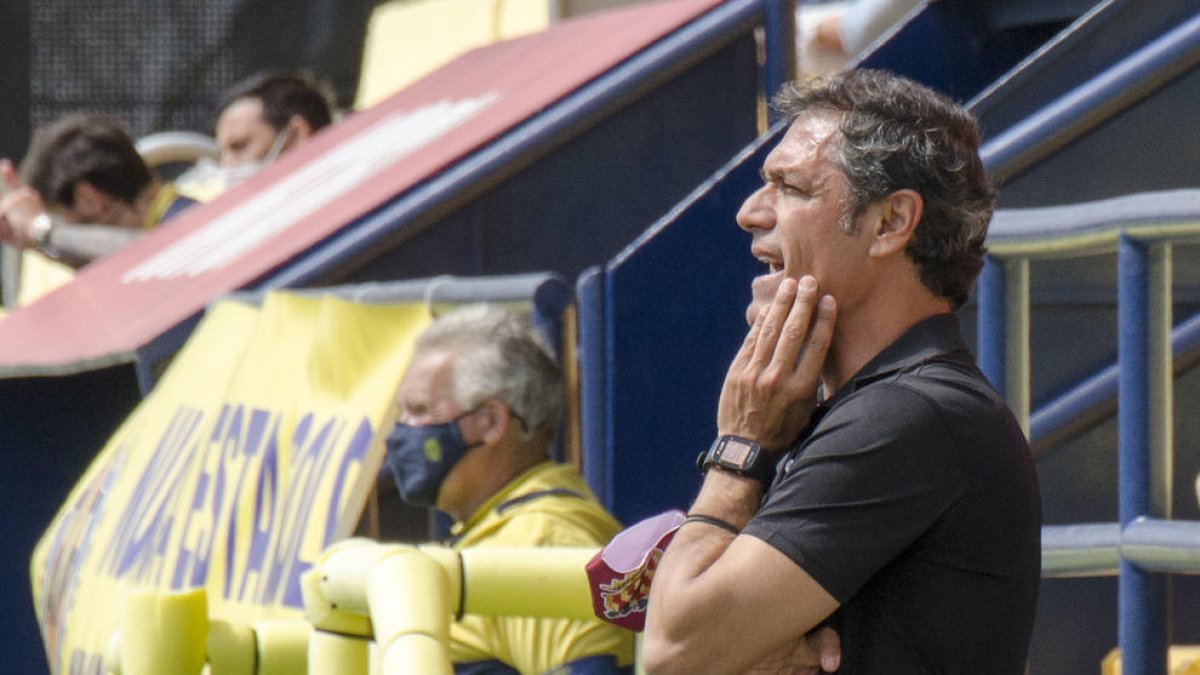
(877, 471)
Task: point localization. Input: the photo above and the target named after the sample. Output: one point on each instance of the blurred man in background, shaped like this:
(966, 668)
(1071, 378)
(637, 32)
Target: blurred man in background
(268, 114)
(83, 193)
(479, 409)
(257, 120)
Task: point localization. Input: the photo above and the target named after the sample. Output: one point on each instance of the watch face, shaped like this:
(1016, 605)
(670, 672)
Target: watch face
(736, 452)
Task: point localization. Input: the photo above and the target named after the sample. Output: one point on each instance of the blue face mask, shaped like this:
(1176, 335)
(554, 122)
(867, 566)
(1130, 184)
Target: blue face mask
(420, 458)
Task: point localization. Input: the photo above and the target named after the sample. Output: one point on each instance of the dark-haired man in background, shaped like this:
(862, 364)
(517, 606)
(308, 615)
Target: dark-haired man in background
(267, 114)
(84, 192)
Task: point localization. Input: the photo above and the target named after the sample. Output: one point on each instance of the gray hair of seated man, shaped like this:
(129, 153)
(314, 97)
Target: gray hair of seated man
(499, 354)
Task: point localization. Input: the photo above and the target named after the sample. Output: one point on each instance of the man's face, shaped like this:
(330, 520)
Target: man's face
(96, 207)
(799, 214)
(426, 396)
(243, 134)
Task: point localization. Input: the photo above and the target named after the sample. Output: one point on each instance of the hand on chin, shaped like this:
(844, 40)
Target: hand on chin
(762, 292)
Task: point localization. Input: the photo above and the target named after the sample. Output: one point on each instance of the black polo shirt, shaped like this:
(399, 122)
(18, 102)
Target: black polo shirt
(912, 500)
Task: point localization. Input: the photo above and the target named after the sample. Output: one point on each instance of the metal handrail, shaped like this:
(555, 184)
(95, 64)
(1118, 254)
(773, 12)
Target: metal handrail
(1145, 544)
(1094, 227)
(1018, 236)
(1093, 102)
(1096, 549)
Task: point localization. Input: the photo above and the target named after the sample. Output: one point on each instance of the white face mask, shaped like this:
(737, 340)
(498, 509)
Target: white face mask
(207, 176)
(236, 175)
(230, 176)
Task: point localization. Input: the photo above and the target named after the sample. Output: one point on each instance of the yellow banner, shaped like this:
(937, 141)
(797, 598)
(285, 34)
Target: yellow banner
(256, 450)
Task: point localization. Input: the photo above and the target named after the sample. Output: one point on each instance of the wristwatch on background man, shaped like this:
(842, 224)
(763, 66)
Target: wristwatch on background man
(39, 230)
(741, 456)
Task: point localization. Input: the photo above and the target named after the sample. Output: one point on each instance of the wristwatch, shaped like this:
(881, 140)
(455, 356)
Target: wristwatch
(741, 456)
(39, 230)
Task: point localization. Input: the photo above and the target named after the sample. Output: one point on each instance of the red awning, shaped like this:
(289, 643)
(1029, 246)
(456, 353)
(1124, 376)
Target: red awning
(120, 304)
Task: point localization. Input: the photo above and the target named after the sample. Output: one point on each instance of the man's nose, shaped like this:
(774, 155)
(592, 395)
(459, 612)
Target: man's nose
(756, 212)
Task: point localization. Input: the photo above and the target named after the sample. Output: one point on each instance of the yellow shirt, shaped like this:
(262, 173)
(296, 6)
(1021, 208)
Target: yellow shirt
(548, 505)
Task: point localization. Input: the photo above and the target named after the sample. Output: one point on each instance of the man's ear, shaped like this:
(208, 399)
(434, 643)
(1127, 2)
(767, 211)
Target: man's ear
(299, 129)
(898, 217)
(89, 199)
(494, 419)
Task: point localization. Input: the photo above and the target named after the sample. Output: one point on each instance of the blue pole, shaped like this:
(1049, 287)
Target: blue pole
(593, 369)
(1142, 596)
(780, 46)
(990, 295)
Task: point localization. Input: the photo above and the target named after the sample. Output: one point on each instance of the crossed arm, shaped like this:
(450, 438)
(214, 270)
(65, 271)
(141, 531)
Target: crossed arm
(730, 604)
(73, 244)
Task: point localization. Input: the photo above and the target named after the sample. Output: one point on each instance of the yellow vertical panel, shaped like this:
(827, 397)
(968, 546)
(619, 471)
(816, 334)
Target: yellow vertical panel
(39, 276)
(163, 633)
(407, 39)
(521, 17)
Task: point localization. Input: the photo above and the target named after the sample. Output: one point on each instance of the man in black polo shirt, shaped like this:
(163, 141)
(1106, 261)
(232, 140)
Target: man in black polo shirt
(865, 476)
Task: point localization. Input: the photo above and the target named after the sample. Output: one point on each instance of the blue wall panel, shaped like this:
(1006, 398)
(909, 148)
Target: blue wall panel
(49, 430)
(1113, 31)
(675, 306)
(579, 203)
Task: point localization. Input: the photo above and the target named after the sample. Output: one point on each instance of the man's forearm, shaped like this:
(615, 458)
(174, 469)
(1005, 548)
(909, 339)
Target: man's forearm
(78, 245)
(681, 616)
(722, 603)
(727, 496)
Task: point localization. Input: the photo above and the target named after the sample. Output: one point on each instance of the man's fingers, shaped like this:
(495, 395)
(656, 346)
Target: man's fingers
(828, 646)
(776, 314)
(746, 352)
(8, 174)
(795, 328)
(820, 335)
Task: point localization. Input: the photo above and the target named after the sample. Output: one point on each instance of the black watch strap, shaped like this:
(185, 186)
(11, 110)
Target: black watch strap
(741, 456)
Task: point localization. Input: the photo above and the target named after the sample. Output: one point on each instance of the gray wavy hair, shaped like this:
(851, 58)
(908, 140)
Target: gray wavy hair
(499, 354)
(897, 134)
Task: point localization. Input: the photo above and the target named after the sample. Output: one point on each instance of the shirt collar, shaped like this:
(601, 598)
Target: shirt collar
(506, 492)
(938, 335)
(158, 206)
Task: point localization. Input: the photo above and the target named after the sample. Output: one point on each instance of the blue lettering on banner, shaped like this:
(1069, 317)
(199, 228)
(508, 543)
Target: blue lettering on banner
(263, 520)
(83, 663)
(226, 461)
(256, 435)
(196, 542)
(351, 458)
(275, 578)
(70, 543)
(145, 526)
(242, 452)
(312, 452)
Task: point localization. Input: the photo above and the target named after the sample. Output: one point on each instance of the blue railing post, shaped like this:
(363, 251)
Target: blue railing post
(1143, 597)
(593, 406)
(779, 25)
(989, 294)
(1003, 297)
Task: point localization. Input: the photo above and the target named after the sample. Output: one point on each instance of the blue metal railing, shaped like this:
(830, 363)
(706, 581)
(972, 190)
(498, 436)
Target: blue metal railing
(1145, 546)
(1089, 105)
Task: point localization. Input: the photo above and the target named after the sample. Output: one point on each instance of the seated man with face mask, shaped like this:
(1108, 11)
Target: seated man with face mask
(258, 119)
(485, 394)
